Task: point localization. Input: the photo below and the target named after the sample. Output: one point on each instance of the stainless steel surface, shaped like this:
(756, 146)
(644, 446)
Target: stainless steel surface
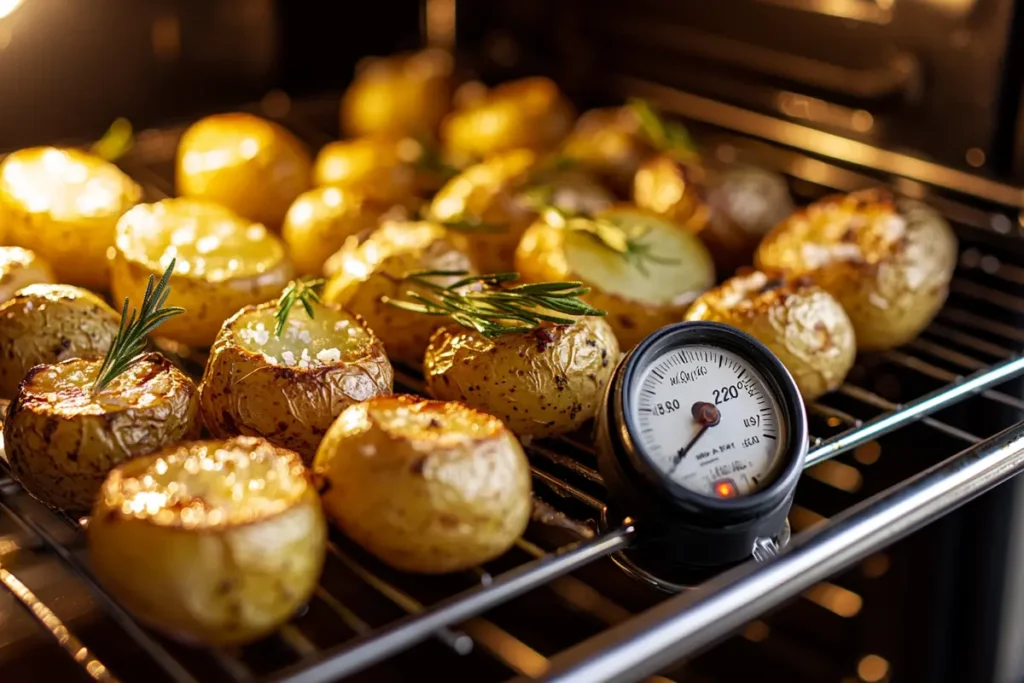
(683, 625)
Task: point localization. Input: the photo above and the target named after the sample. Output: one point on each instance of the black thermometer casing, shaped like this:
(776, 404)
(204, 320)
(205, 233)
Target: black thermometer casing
(682, 530)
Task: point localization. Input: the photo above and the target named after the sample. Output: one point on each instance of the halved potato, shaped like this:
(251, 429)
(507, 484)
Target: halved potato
(887, 260)
(529, 113)
(641, 295)
(289, 390)
(364, 273)
(21, 268)
(63, 204)
(729, 208)
(210, 542)
(252, 166)
(50, 323)
(62, 438)
(405, 94)
(320, 221)
(609, 143)
(426, 486)
(801, 323)
(544, 382)
(224, 262)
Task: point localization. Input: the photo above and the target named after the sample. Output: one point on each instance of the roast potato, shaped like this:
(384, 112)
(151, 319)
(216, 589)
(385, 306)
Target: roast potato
(363, 273)
(499, 195)
(62, 438)
(426, 486)
(224, 262)
(253, 166)
(383, 169)
(320, 221)
(640, 295)
(50, 323)
(210, 542)
(63, 205)
(21, 268)
(529, 113)
(289, 389)
(887, 260)
(801, 323)
(729, 208)
(405, 94)
(544, 382)
(609, 143)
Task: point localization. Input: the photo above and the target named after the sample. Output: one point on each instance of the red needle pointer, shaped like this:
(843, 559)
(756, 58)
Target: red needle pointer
(705, 414)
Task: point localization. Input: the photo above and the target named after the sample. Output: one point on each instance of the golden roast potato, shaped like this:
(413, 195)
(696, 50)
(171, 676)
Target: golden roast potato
(729, 208)
(609, 143)
(320, 221)
(210, 542)
(801, 323)
(888, 260)
(63, 204)
(62, 438)
(493, 202)
(224, 262)
(252, 166)
(405, 94)
(383, 169)
(642, 293)
(544, 382)
(289, 389)
(361, 274)
(529, 113)
(50, 323)
(426, 486)
(21, 268)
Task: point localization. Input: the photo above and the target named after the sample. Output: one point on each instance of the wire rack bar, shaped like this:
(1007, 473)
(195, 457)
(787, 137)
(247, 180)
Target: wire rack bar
(683, 625)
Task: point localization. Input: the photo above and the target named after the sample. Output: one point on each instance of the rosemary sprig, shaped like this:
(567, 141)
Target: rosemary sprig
(472, 224)
(130, 341)
(116, 142)
(304, 291)
(431, 161)
(666, 136)
(484, 303)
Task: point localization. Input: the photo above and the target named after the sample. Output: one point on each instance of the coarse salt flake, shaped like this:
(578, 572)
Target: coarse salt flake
(329, 356)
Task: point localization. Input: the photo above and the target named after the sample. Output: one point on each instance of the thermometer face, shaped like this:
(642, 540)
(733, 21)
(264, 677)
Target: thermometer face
(707, 419)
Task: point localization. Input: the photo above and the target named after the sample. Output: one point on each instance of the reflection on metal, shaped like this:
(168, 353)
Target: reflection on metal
(824, 113)
(818, 142)
(869, 11)
(835, 599)
(439, 23)
(519, 656)
(837, 475)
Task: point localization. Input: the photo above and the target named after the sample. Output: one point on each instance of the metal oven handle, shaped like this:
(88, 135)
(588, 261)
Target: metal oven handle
(682, 626)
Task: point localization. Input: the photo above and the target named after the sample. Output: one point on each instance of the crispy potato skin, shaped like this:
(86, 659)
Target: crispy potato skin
(320, 221)
(426, 486)
(21, 268)
(800, 322)
(208, 299)
(364, 273)
(292, 407)
(41, 192)
(548, 381)
(405, 94)
(730, 209)
(61, 449)
(253, 166)
(222, 576)
(608, 142)
(887, 260)
(50, 323)
(541, 257)
(529, 113)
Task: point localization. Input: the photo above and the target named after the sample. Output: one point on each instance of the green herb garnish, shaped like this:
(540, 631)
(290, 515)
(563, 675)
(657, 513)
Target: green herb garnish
(484, 303)
(666, 136)
(116, 142)
(304, 291)
(130, 342)
(472, 224)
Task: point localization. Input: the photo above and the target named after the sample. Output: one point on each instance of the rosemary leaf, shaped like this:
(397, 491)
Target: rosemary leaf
(116, 142)
(666, 136)
(305, 291)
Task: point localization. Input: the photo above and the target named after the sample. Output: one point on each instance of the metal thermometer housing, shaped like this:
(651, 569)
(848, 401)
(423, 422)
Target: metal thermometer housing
(684, 525)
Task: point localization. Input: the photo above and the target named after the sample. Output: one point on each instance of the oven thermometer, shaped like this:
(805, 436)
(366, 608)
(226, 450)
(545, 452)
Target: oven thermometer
(701, 439)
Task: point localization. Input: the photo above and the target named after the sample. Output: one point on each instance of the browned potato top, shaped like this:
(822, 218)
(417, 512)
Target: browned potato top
(379, 168)
(321, 220)
(609, 143)
(207, 485)
(20, 268)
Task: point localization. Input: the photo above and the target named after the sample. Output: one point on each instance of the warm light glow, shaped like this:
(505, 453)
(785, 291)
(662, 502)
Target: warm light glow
(835, 599)
(8, 6)
(872, 669)
(725, 489)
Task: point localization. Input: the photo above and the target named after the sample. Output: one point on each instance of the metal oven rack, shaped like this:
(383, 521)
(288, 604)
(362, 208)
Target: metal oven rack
(369, 622)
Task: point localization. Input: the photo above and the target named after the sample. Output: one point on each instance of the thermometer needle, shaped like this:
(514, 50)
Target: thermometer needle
(707, 415)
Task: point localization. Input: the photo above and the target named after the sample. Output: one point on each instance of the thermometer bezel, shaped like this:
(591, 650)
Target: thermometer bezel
(792, 427)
